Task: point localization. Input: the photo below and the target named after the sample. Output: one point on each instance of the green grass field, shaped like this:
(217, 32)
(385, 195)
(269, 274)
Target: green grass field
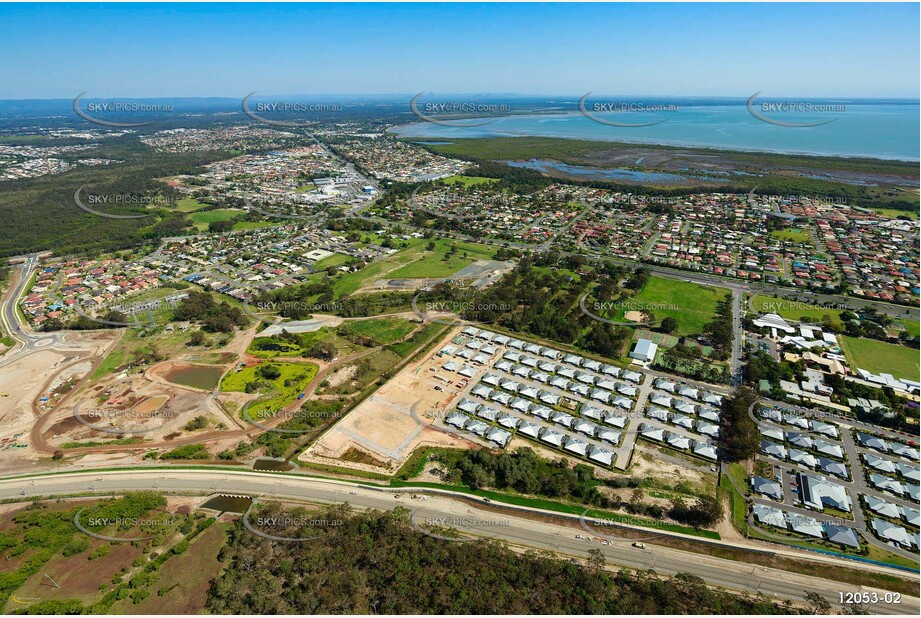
(202, 219)
(414, 262)
(792, 235)
(879, 356)
(892, 213)
(293, 379)
(793, 310)
(692, 305)
(468, 181)
(912, 326)
(383, 331)
(189, 204)
(433, 264)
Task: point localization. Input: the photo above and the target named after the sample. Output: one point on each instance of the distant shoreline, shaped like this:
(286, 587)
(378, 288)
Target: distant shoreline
(430, 131)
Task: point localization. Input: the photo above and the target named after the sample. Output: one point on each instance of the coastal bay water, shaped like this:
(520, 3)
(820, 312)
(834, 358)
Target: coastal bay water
(862, 129)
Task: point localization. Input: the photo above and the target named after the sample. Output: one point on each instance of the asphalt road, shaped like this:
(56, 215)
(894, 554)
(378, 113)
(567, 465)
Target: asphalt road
(515, 529)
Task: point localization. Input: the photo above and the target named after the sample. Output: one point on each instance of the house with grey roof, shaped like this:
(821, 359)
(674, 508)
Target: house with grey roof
(878, 463)
(478, 427)
(566, 372)
(817, 493)
(683, 421)
(891, 533)
(457, 420)
(583, 426)
(608, 435)
(522, 405)
(657, 413)
(615, 420)
(652, 433)
(664, 385)
(552, 437)
(677, 441)
(769, 516)
(529, 429)
(508, 421)
(712, 398)
(575, 445)
(500, 397)
(835, 468)
(551, 399)
(600, 395)
(868, 441)
(767, 487)
(705, 450)
(541, 412)
(610, 370)
(660, 400)
(826, 429)
(520, 370)
(708, 429)
(709, 414)
(885, 483)
(589, 411)
(573, 359)
(802, 458)
(842, 535)
(627, 391)
(903, 450)
(689, 392)
(561, 418)
(773, 449)
(488, 413)
(882, 507)
(498, 436)
(796, 420)
(481, 391)
(633, 376)
(529, 391)
(559, 382)
(828, 449)
(909, 471)
(798, 439)
(621, 402)
(802, 524)
(685, 407)
(468, 406)
(773, 433)
(601, 455)
(491, 379)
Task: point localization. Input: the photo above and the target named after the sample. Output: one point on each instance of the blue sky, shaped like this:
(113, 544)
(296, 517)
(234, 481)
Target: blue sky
(137, 50)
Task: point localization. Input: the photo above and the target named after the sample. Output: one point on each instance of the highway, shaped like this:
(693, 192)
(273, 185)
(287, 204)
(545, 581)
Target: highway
(485, 520)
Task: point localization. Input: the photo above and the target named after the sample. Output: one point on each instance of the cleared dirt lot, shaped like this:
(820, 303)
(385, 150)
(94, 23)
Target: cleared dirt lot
(394, 421)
